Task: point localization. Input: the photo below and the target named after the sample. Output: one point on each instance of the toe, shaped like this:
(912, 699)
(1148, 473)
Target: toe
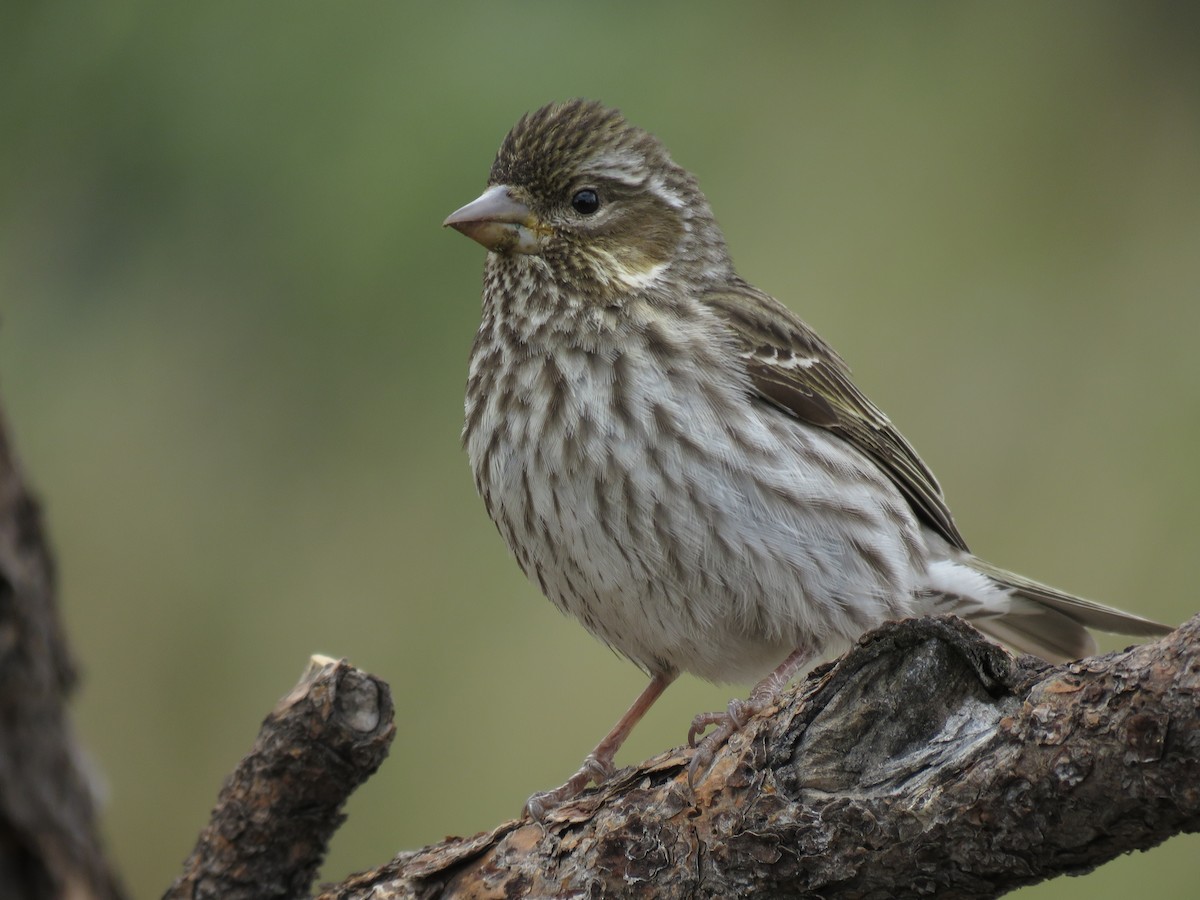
(739, 712)
(703, 758)
(701, 722)
(596, 769)
(537, 806)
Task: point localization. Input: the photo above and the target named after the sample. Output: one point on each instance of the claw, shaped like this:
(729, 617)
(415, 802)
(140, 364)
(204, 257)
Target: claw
(540, 804)
(728, 723)
(707, 751)
(596, 769)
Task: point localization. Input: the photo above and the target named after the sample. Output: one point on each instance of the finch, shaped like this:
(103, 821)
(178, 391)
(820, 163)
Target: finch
(681, 463)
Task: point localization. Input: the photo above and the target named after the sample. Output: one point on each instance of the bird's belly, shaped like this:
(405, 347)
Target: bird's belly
(698, 531)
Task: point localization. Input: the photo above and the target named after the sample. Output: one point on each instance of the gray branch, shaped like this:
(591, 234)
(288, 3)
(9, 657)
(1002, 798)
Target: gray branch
(925, 762)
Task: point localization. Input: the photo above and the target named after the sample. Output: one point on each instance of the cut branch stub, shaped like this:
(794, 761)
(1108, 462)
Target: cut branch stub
(276, 813)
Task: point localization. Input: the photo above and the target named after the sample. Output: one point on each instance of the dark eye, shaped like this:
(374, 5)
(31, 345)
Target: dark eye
(585, 202)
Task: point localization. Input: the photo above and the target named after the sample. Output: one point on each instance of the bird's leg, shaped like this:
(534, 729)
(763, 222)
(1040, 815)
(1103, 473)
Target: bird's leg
(739, 713)
(598, 765)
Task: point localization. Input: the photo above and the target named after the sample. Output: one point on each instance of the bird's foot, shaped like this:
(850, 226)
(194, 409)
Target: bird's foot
(738, 714)
(598, 767)
(594, 769)
(727, 723)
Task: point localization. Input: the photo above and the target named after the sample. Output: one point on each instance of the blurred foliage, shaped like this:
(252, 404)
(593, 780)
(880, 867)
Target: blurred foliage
(234, 342)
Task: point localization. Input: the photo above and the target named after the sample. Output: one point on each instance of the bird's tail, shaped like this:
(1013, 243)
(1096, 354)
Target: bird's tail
(1044, 621)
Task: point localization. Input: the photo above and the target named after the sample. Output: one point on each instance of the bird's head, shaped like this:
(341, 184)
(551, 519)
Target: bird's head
(598, 201)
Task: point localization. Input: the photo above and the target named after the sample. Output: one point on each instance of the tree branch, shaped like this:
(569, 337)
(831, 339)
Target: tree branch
(49, 845)
(277, 811)
(926, 761)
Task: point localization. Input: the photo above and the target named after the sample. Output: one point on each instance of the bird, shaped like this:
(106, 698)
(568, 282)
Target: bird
(677, 460)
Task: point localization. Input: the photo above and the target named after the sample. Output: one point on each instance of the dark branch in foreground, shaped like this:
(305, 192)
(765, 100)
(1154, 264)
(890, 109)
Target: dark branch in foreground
(49, 842)
(926, 761)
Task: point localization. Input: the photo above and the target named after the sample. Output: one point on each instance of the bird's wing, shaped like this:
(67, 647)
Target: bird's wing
(797, 372)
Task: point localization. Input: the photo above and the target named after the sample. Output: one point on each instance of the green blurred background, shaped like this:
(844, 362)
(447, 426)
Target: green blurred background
(234, 343)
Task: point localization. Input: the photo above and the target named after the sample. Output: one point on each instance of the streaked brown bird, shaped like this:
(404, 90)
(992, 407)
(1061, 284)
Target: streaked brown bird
(679, 461)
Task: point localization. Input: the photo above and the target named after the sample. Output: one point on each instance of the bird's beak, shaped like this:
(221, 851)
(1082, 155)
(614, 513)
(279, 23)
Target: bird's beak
(500, 222)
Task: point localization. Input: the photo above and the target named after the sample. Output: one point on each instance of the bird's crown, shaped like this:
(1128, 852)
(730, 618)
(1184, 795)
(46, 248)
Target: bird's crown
(565, 137)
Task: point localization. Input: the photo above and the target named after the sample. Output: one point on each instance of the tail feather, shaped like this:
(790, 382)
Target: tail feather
(1052, 624)
(1043, 633)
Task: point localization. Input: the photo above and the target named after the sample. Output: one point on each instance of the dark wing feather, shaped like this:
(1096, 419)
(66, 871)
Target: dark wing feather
(792, 368)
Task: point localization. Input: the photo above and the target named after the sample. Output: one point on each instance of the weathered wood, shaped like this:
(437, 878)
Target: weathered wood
(925, 762)
(276, 813)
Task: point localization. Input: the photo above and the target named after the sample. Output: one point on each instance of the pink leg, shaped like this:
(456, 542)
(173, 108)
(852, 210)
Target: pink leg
(598, 765)
(739, 713)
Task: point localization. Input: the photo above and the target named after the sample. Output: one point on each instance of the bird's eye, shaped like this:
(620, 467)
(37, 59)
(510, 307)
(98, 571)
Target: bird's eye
(585, 202)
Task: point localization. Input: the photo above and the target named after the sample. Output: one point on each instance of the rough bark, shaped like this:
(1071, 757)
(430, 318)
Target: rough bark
(276, 813)
(49, 846)
(925, 762)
